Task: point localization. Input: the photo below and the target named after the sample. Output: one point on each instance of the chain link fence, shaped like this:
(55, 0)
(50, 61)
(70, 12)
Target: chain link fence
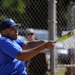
(65, 19)
(34, 14)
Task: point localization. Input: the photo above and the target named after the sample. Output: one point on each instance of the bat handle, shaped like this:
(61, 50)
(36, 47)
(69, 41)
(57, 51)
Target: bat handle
(54, 42)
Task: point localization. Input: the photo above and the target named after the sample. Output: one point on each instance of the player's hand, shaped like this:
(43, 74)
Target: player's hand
(49, 45)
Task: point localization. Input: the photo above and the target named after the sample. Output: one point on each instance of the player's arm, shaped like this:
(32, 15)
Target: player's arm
(32, 44)
(30, 53)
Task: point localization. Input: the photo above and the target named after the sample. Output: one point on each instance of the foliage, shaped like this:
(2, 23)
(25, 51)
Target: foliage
(12, 7)
(28, 12)
(16, 5)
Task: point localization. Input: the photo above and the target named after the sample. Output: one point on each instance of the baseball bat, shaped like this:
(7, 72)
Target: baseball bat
(66, 36)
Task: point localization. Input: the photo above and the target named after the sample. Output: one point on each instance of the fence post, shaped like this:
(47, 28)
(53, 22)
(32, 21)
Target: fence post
(52, 30)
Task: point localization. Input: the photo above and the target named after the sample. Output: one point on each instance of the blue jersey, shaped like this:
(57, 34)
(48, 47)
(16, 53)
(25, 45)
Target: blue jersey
(9, 65)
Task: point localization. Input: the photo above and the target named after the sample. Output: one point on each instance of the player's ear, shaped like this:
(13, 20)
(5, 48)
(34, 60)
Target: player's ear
(3, 32)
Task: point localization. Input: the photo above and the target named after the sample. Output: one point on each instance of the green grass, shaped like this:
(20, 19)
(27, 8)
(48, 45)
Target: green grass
(60, 71)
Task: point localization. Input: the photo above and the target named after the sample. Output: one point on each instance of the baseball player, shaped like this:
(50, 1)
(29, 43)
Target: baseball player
(14, 51)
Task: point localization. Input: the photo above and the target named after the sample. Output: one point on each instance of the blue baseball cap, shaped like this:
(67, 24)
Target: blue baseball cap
(7, 23)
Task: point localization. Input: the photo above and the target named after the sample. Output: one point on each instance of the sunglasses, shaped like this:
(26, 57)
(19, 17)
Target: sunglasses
(30, 34)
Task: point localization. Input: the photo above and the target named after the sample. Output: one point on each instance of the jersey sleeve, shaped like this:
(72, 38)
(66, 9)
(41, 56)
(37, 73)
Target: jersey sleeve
(20, 42)
(11, 48)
